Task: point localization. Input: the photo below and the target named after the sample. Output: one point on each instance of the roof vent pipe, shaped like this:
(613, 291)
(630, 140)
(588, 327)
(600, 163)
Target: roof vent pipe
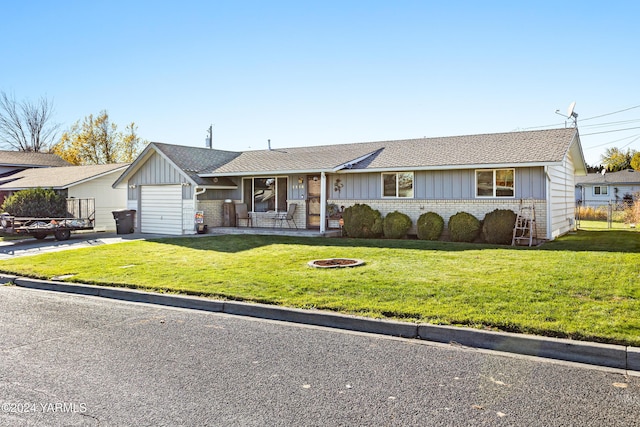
(269, 144)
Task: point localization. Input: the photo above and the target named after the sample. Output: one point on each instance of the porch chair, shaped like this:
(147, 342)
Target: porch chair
(288, 216)
(242, 214)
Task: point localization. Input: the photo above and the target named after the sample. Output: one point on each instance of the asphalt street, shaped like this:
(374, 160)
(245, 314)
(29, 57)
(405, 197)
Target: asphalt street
(81, 360)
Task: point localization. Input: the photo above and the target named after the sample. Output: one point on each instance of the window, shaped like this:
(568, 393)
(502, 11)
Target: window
(495, 183)
(397, 184)
(598, 190)
(265, 194)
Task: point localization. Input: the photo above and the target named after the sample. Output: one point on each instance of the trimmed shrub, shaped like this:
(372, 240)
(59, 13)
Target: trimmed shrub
(497, 226)
(36, 202)
(396, 225)
(430, 226)
(362, 221)
(464, 227)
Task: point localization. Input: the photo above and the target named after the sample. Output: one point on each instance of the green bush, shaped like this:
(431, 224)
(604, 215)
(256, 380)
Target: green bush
(36, 202)
(497, 226)
(464, 227)
(430, 226)
(396, 225)
(361, 220)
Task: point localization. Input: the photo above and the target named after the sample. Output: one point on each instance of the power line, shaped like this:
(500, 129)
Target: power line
(609, 131)
(608, 114)
(632, 141)
(589, 118)
(611, 123)
(613, 142)
(545, 126)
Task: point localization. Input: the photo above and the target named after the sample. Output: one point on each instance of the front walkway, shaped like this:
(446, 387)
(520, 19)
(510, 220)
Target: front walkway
(268, 231)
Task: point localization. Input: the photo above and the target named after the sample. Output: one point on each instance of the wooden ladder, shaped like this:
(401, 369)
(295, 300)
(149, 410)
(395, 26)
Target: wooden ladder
(525, 227)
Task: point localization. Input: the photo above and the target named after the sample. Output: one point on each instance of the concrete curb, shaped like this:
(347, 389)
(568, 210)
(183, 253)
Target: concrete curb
(322, 318)
(612, 356)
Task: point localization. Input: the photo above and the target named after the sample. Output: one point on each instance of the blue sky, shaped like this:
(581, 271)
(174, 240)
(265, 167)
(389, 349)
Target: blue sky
(309, 73)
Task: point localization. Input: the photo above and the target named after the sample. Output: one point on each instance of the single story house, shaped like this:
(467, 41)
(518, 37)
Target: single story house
(16, 161)
(92, 181)
(167, 184)
(600, 189)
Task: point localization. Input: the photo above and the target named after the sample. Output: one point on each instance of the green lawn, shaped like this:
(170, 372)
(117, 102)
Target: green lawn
(583, 286)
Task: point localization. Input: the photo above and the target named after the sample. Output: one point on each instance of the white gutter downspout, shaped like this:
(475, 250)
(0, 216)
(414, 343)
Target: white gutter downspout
(323, 202)
(196, 193)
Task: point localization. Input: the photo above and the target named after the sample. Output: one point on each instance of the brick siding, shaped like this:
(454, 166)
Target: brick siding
(447, 208)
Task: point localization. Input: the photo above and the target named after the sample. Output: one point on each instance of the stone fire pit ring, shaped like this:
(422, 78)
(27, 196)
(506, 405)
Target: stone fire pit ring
(335, 263)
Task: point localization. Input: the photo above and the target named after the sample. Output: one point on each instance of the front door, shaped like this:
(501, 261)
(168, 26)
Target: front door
(313, 201)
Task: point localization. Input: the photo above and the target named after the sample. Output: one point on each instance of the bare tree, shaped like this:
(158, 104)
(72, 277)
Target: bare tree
(26, 125)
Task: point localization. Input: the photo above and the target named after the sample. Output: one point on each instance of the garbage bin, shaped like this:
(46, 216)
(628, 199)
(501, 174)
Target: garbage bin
(124, 220)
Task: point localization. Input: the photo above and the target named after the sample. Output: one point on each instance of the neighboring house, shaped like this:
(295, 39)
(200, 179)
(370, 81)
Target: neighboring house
(598, 189)
(475, 173)
(16, 161)
(93, 181)
(12, 161)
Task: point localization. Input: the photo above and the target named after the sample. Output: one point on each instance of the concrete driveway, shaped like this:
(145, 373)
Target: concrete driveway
(30, 246)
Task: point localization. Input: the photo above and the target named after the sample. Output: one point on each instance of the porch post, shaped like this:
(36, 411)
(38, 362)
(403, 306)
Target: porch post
(323, 202)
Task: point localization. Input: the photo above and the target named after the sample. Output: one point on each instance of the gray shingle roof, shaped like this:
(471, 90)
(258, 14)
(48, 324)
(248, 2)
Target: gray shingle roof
(56, 177)
(28, 159)
(621, 177)
(194, 160)
(531, 147)
(302, 159)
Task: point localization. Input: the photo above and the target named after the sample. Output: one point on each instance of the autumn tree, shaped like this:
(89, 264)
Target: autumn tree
(96, 141)
(615, 159)
(26, 125)
(635, 161)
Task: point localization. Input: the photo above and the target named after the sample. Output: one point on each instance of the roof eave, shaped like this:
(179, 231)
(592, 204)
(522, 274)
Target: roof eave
(52, 187)
(137, 164)
(608, 183)
(100, 175)
(453, 167)
(575, 150)
(217, 187)
(387, 169)
(265, 173)
(28, 166)
(140, 161)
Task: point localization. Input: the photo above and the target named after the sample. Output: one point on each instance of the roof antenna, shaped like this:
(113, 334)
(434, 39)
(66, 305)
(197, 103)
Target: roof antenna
(209, 139)
(570, 114)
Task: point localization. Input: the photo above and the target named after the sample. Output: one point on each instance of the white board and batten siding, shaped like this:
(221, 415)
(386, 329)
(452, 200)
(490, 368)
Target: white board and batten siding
(161, 209)
(163, 197)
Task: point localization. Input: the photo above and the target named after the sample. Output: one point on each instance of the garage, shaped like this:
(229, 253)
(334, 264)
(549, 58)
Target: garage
(161, 209)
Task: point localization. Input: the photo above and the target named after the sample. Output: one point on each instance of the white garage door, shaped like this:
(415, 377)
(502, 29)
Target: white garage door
(161, 209)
